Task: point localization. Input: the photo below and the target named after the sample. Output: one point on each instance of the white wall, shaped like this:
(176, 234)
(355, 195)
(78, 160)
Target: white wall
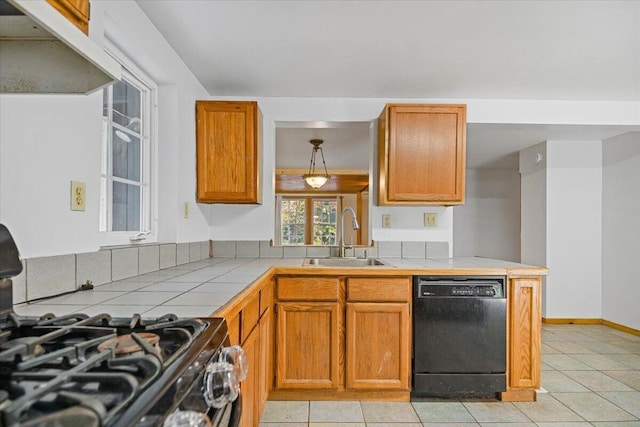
(621, 230)
(562, 224)
(533, 209)
(488, 224)
(574, 229)
(45, 143)
(48, 140)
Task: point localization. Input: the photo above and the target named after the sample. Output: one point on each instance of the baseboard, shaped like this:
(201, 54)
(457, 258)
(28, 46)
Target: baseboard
(562, 321)
(613, 325)
(621, 327)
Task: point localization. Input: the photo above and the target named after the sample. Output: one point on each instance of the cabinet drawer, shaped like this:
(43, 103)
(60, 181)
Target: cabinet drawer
(308, 288)
(250, 316)
(379, 289)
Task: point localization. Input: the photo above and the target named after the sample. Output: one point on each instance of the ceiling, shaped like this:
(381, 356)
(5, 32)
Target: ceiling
(535, 49)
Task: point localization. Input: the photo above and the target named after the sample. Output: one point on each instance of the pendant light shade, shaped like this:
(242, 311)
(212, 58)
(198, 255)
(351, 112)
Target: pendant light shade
(313, 178)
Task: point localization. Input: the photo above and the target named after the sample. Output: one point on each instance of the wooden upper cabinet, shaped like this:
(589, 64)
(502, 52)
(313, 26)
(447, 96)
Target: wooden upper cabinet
(76, 11)
(227, 151)
(421, 154)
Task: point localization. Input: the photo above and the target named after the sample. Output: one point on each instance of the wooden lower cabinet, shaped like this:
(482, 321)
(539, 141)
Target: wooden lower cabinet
(525, 332)
(250, 324)
(249, 387)
(524, 339)
(307, 344)
(265, 362)
(378, 349)
(343, 337)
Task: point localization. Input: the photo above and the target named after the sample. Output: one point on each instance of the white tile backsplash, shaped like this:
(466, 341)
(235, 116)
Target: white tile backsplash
(390, 249)
(20, 285)
(438, 249)
(168, 255)
(318, 252)
(50, 276)
(295, 252)
(124, 263)
(194, 251)
(56, 275)
(204, 249)
(182, 255)
(248, 249)
(94, 266)
(414, 249)
(268, 251)
(224, 249)
(148, 259)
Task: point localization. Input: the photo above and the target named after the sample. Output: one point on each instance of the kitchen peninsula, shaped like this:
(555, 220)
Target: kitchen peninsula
(262, 297)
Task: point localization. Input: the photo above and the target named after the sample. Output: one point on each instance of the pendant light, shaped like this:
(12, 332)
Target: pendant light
(313, 178)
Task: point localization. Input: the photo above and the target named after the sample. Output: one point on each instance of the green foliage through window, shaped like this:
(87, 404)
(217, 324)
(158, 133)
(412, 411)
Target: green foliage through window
(292, 212)
(324, 222)
(308, 221)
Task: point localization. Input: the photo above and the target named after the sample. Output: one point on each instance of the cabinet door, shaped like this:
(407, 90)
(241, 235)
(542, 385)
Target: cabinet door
(378, 349)
(265, 360)
(307, 345)
(76, 11)
(525, 332)
(249, 386)
(227, 150)
(422, 154)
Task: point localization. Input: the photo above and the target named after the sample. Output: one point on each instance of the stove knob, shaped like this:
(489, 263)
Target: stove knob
(187, 419)
(221, 385)
(238, 358)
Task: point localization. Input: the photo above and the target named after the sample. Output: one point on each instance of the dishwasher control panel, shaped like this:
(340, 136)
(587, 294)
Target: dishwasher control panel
(471, 287)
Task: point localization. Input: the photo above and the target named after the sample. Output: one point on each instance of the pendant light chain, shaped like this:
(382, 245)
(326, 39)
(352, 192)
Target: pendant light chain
(312, 178)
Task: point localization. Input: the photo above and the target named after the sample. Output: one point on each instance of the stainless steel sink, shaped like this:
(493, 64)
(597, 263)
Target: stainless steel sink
(343, 262)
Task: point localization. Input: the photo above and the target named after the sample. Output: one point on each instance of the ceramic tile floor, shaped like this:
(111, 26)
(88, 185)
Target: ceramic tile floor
(590, 376)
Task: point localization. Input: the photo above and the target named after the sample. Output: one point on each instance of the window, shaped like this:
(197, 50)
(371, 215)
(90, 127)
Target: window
(308, 221)
(125, 196)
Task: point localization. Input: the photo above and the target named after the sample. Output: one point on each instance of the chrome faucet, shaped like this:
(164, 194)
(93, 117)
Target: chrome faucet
(354, 222)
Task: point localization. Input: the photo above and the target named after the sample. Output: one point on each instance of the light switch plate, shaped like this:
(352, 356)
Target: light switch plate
(78, 195)
(386, 221)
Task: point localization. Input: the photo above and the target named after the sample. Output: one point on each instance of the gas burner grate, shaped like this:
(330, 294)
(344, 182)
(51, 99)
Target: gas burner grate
(50, 365)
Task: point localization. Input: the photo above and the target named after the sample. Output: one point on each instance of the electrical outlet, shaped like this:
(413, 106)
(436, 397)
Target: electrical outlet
(78, 195)
(430, 219)
(185, 210)
(386, 221)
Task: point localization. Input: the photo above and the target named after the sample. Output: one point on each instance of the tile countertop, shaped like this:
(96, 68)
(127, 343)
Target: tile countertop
(200, 288)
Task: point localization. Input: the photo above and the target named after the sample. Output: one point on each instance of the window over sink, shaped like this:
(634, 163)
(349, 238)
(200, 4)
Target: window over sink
(307, 220)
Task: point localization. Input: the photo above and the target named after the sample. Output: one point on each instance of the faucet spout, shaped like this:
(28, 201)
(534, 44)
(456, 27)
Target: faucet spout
(355, 225)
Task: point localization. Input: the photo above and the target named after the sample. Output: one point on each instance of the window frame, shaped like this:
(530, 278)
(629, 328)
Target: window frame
(308, 223)
(148, 158)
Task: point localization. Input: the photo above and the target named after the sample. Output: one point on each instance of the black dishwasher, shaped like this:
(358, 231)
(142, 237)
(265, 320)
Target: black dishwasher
(459, 336)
